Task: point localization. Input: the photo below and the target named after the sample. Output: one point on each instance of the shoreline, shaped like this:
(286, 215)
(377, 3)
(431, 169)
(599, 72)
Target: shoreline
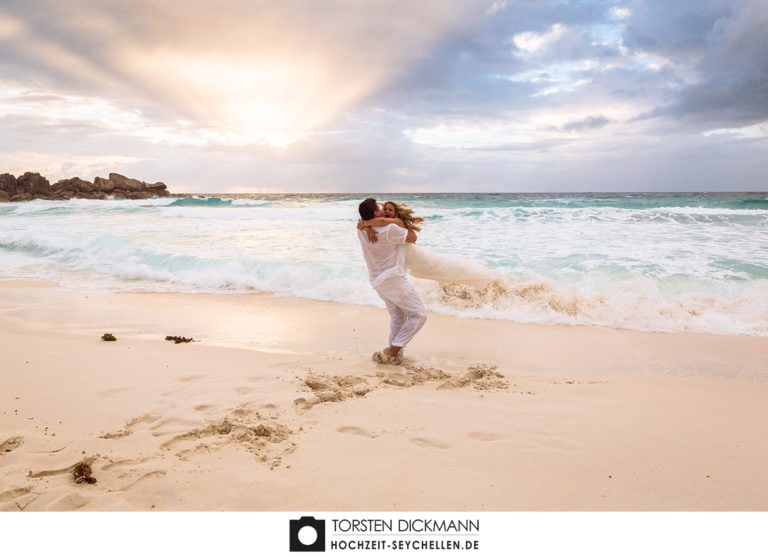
(278, 406)
(265, 322)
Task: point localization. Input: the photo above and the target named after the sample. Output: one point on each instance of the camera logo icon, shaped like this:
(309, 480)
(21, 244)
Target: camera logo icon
(307, 534)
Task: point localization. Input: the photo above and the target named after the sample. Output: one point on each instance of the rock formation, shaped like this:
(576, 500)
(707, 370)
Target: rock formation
(32, 185)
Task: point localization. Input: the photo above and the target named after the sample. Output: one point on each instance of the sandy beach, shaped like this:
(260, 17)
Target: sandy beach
(277, 406)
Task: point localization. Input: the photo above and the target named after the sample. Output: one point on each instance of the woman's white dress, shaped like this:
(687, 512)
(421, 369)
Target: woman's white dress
(425, 264)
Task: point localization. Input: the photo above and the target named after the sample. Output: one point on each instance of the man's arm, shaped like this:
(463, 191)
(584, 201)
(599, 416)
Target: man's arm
(410, 238)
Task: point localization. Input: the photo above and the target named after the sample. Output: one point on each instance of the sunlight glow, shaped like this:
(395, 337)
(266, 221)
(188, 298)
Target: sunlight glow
(10, 27)
(273, 101)
(255, 76)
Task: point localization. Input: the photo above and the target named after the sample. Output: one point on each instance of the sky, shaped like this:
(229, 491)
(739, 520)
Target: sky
(388, 95)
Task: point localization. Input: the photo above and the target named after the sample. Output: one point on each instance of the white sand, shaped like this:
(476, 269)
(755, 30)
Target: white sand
(278, 406)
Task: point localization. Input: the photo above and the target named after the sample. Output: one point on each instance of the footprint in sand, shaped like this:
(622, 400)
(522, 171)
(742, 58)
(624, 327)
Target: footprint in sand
(119, 434)
(397, 379)
(109, 393)
(245, 390)
(11, 443)
(428, 443)
(352, 430)
(125, 474)
(327, 388)
(148, 475)
(64, 502)
(301, 405)
(189, 378)
(484, 436)
(148, 419)
(143, 419)
(14, 493)
(124, 462)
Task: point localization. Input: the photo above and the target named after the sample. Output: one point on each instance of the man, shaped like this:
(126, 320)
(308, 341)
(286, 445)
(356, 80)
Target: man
(384, 255)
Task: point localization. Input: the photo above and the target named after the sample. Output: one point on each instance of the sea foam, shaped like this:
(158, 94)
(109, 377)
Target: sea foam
(657, 263)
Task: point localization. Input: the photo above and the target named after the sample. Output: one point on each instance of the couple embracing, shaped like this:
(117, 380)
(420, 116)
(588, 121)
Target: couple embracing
(383, 242)
(388, 235)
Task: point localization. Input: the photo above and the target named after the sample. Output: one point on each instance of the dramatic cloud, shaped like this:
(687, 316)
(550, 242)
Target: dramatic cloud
(344, 95)
(730, 87)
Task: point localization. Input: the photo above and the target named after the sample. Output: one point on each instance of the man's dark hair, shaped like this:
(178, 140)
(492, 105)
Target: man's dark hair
(367, 208)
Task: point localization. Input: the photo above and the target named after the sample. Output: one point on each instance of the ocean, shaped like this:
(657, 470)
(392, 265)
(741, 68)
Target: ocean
(650, 262)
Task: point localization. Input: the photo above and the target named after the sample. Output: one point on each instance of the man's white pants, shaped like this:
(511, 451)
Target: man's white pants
(406, 310)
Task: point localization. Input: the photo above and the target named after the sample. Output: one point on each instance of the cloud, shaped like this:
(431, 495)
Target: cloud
(676, 30)
(588, 123)
(532, 43)
(254, 70)
(719, 54)
(343, 95)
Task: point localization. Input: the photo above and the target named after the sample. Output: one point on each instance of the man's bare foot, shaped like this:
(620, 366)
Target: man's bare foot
(394, 352)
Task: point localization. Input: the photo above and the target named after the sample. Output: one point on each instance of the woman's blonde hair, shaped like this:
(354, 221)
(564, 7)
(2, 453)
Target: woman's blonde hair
(405, 213)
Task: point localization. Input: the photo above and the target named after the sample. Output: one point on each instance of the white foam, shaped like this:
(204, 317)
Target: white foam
(591, 265)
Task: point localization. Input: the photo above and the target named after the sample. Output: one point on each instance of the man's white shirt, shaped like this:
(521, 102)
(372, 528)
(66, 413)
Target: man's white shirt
(386, 257)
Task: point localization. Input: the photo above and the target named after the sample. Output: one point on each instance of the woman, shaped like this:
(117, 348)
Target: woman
(401, 215)
(423, 263)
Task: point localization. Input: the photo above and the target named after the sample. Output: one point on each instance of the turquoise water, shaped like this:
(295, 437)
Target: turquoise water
(659, 262)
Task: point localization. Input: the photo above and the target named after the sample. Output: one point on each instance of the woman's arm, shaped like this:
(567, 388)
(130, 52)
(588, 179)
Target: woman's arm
(379, 221)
